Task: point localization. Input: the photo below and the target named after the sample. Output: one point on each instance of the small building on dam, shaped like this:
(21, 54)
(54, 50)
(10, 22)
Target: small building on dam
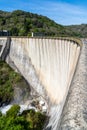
(56, 68)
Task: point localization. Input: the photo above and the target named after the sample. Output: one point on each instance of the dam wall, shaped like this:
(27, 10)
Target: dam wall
(74, 114)
(48, 65)
(52, 60)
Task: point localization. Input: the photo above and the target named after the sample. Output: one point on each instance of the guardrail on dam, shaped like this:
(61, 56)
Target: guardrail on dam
(48, 65)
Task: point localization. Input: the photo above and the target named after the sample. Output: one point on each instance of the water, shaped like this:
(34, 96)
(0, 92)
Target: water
(22, 108)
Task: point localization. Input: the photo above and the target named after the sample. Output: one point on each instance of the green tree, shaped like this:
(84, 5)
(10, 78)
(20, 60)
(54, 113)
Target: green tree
(14, 31)
(36, 120)
(13, 111)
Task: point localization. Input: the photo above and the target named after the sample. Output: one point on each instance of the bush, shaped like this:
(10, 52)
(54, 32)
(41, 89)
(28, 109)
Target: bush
(8, 79)
(28, 120)
(13, 111)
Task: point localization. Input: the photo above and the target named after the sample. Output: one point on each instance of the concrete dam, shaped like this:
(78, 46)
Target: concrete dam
(56, 70)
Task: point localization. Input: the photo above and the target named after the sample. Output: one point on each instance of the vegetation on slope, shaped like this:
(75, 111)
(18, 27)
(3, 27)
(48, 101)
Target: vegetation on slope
(21, 23)
(78, 30)
(14, 120)
(28, 120)
(8, 80)
(13, 86)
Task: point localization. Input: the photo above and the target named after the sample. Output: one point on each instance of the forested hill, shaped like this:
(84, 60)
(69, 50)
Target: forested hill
(21, 23)
(81, 30)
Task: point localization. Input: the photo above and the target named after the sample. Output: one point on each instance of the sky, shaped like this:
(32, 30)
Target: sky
(65, 12)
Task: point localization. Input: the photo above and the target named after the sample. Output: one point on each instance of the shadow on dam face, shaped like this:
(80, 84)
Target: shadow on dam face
(48, 66)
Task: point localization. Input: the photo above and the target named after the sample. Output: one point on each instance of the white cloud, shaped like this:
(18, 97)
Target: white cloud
(62, 13)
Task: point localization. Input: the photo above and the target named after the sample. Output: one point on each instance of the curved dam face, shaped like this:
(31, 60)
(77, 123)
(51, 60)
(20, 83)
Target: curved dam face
(48, 65)
(74, 115)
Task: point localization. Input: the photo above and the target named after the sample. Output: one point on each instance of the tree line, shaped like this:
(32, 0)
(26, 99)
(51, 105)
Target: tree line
(21, 23)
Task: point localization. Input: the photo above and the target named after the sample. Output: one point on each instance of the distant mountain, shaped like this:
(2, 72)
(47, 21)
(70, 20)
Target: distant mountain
(78, 30)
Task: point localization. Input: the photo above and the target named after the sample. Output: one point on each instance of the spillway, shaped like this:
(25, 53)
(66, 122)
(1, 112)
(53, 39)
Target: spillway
(48, 65)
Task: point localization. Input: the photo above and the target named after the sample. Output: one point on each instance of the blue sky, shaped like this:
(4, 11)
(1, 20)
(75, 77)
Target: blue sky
(65, 12)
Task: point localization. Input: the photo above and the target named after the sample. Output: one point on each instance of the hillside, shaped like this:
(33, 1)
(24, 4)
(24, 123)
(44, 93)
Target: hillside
(21, 23)
(80, 30)
(10, 85)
